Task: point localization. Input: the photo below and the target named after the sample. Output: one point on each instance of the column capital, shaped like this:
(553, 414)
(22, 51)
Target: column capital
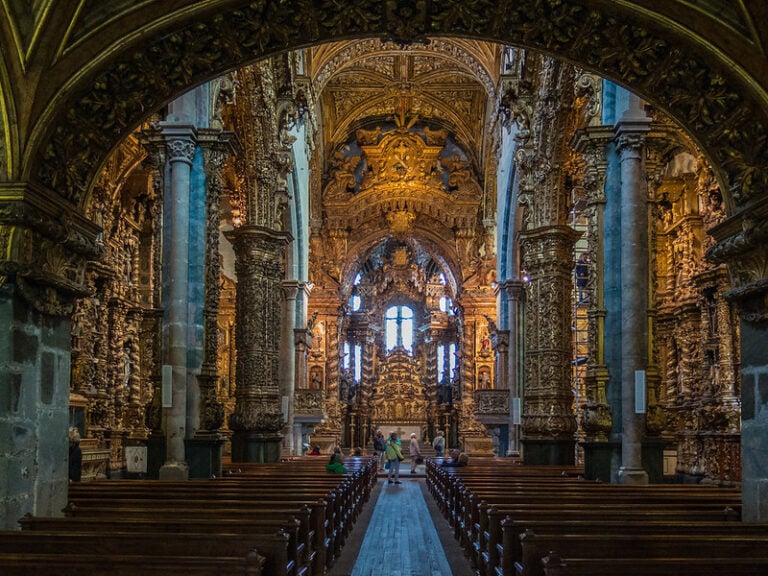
(515, 289)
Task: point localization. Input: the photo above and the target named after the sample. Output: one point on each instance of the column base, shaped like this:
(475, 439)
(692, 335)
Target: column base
(203, 454)
(636, 476)
(653, 459)
(174, 471)
(602, 461)
(155, 454)
(256, 447)
(549, 452)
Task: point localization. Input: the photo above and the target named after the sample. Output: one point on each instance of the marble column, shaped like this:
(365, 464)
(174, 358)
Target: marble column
(257, 421)
(515, 293)
(549, 423)
(180, 145)
(288, 359)
(630, 134)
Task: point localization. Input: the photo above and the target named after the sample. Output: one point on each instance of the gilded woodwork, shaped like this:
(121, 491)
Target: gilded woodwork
(259, 267)
(696, 340)
(400, 392)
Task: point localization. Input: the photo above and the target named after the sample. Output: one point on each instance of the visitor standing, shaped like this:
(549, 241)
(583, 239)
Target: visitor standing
(380, 448)
(439, 444)
(394, 457)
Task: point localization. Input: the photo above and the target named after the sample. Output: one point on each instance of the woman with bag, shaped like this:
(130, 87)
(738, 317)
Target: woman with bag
(394, 457)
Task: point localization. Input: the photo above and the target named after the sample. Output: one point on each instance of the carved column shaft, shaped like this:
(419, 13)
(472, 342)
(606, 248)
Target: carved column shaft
(591, 142)
(259, 267)
(634, 285)
(548, 404)
(216, 146)
(288, 355)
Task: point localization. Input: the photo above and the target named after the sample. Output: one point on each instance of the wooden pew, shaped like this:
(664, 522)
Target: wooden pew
(275, 539)
(58, 564)
(634, 546)
(145, 544)
(294, 515)
(554, 565)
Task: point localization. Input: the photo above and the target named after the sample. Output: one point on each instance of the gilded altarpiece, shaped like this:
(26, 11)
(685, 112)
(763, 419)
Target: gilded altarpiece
(401, 396)
(697, 332)
(403, 206)
(115, 329)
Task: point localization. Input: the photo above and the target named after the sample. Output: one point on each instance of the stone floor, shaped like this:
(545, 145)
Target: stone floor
(401, 533)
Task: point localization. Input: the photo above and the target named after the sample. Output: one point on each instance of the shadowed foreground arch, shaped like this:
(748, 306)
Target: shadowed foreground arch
(99, 82)
(683, 73)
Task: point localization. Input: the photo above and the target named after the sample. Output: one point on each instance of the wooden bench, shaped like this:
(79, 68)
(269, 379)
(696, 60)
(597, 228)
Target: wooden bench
(634, 546)
(58, 564)
(554, 565)
(154, 544)
(294, 517)
(275, 539)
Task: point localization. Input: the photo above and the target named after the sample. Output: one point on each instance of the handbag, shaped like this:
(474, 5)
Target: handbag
(419, 460)
(387, 465)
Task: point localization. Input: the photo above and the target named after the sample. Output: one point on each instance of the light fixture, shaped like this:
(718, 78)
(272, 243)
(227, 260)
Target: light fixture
(525, 276)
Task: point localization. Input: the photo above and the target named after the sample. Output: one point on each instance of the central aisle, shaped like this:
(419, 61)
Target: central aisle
(401, 539)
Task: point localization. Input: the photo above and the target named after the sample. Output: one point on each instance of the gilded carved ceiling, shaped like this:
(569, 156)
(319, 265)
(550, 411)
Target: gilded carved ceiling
(77, 77)
(449, 83)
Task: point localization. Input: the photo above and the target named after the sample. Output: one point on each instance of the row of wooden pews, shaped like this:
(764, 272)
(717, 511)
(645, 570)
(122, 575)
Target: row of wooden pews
(284, 519)
(547, 521)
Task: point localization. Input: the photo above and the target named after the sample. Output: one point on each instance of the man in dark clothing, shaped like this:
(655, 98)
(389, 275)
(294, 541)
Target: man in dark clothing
(75, 456)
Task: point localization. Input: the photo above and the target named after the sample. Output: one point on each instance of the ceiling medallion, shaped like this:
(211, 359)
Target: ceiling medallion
(401, 224)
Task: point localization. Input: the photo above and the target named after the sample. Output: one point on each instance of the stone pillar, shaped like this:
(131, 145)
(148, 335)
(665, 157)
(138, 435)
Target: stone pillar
(516, 294)
(288, 359)
(257, 421)
(630, 132)
(548, 420)
(180, 144)
(44, 250)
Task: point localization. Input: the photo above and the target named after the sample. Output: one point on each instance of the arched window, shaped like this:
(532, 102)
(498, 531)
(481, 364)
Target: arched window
(353, 360)
(398, 328)
(355, 302)
(446, 362)
(446, 305)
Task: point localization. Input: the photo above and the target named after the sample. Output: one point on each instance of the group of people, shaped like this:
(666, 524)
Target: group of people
(389, 451)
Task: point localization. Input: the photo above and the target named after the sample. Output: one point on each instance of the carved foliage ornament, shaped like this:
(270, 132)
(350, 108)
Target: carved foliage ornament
(692, 87)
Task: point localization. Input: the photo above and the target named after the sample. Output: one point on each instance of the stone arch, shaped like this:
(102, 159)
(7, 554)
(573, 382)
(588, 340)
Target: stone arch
(672, 66)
